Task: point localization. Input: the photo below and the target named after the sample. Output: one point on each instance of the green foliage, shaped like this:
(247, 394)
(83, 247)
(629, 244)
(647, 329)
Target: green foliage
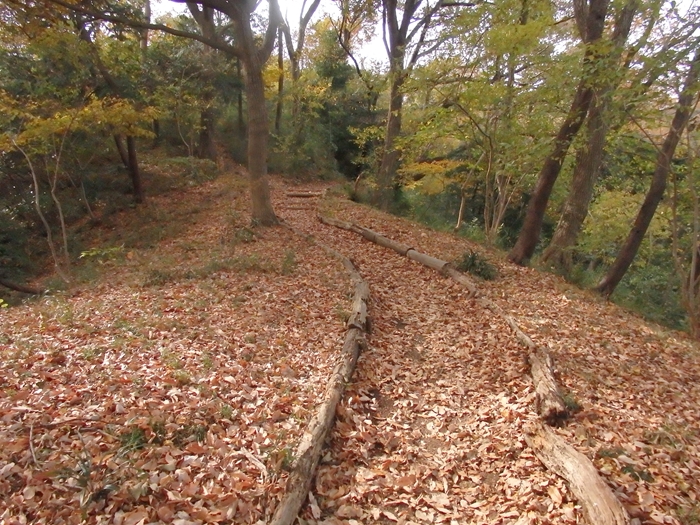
(476, 264)
(3, 303)
(133, 439)
(289, 263)
(690, 514)
(103, 254)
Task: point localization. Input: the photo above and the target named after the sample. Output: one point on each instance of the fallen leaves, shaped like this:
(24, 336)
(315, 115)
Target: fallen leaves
(182, 402)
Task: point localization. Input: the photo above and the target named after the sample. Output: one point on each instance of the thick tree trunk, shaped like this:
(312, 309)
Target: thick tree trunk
(589, 159)
(534, 217)
(391, 155)
(258, 134)
(658, 184)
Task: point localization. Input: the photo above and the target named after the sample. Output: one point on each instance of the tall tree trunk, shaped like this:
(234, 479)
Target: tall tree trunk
(134, 170)
(280, 82)
(241, 120)
(537, 206)
(143, 41)
(258, 134)
(206, 148)
(589, 159)
(658, 183)
(391, 155)
(121, 149)
(530, 233)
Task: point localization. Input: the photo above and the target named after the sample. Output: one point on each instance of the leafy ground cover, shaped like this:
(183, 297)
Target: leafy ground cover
(175, 388)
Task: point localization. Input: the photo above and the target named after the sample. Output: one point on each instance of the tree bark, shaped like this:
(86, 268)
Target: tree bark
(19, 287)
(258, 134)
(530, 233)
(280, 82)
(206, 148)
(134, 170)
(391, 155)
(599, 504)
(658, 183)
(589, 159)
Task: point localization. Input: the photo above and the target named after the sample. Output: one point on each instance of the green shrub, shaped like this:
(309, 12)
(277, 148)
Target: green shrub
(473, 263)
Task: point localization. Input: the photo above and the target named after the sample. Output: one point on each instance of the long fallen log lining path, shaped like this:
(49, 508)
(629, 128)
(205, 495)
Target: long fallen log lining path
(438, 425)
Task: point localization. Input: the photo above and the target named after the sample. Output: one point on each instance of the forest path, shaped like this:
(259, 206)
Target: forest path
(431, 429)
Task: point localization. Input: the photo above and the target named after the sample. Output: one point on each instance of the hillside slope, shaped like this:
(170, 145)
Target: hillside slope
(175, 387)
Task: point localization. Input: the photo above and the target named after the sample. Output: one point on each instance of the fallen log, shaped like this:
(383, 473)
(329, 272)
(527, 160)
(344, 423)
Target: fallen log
(401, 249)
(19, 287)
(599, 504)
(550, 403)
(304, 194)
(308, 452)
(330, 221)
(428, 260)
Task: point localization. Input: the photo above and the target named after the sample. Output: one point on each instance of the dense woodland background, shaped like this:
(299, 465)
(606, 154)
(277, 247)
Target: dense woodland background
(563, 132)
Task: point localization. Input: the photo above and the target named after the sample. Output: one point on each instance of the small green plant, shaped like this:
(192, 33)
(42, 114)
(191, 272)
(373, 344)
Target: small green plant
(189, 433)
(610, 452)
(689, 515)
(207, 361)
(571, 402)
(133, 439)
(171, 360)
(638, 474)
(341, 313)
(243, 235)
(182, 377)
(103, 254)
(3, 304)
(475, 264)
(159, 432)
(289, 263)
(226, 411)
(157, 277)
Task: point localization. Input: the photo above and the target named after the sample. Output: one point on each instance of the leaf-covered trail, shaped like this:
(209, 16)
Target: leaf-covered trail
(432, 429)
(175, 388)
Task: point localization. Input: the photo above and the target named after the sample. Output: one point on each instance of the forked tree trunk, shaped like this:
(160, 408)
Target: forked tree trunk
(589, 159)
(530, 232)
(658, 183)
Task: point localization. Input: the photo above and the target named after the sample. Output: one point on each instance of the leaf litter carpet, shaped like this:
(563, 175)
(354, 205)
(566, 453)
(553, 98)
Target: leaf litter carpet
(176, 388)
